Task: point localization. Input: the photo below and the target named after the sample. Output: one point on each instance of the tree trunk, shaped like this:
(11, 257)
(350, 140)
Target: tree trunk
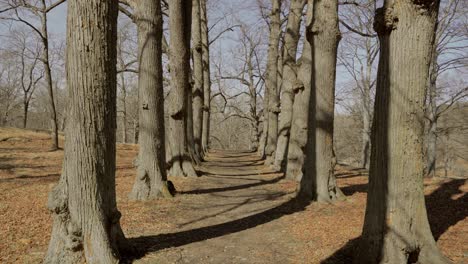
(288, 80)
(298, 138)
(136, 131)
(48, 76)
(25, 113)
(86, 220)
(206, 77)
(271, 81)
(179, 22)
(396, 229)
(198, 88)
(151, 175)
(366, 126)
(318, 182)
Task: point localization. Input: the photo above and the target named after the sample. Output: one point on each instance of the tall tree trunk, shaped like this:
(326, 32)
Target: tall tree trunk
(48, 76)
(198, 88)
(86, 220)
(298, 138)
(288, 80)
(179, 22)
(206, 77)
(272, 81)
(396, 229)
(151, 175)
(318, 182)
(189, 126)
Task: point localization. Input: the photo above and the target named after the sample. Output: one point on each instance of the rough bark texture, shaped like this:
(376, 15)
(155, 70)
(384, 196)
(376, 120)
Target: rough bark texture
(86, 220)
(151, 176)
(271, 81)
(298, 137)
(289, 81)
(197, 89)
(206, 77)
(396, 229)
(180, 161)
(318, 181)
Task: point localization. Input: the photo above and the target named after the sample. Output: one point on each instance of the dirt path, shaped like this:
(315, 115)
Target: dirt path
(230, 216)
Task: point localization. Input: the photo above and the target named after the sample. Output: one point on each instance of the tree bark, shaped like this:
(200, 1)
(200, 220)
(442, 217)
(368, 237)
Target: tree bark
(271, 81)
(151, 178)
(289, 76)
(206, 77)
(86, 220)
(396, 228)
(298, 138)
(179, 22)
(318, 182)
(198, 88)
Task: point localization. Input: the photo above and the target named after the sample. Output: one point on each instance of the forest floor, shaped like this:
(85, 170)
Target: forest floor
(238, 211)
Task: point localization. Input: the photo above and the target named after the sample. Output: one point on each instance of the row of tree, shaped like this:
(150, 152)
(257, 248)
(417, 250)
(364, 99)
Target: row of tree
(298, 114)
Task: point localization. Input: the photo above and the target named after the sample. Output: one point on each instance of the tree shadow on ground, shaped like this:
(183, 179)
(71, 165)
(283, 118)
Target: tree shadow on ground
(443, 212)
(148, 244)
(234, 188)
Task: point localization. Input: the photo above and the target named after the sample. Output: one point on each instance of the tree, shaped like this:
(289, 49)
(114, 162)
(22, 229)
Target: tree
(180, 161)
(198, 87)
(86, 220)
(289, 75)
(271, 81)
(9, 87)
(30, 73)
(358, 56)
(318, 182)
(206, 77)
(151, 178)
(396, 228)
(299, 126)
(448, 54)
(40, 9)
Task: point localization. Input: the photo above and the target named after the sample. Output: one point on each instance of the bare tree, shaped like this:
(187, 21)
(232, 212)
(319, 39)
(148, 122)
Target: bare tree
(318, 182)
(358, 56)
(198, 79)
(9, 87)
(396, 228)
(39, 9)
(180, 161)
(206, 77)
(271, 81)
(86, 220)
(151, 178)
(299, 126)
(289, 75)
(449, 54)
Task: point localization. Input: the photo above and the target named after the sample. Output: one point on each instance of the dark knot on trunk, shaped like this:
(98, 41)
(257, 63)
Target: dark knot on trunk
(385, 20)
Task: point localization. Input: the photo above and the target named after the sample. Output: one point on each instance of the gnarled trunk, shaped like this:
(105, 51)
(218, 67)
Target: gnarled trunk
(180, 161)
(289, 75)
(271, 81)
(318, 182)
(151, 176)
(86, 220)
(298, 137)
(396, 228)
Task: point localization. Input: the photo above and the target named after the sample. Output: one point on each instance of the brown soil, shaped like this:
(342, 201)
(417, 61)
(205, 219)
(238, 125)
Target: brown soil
(239, 211)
